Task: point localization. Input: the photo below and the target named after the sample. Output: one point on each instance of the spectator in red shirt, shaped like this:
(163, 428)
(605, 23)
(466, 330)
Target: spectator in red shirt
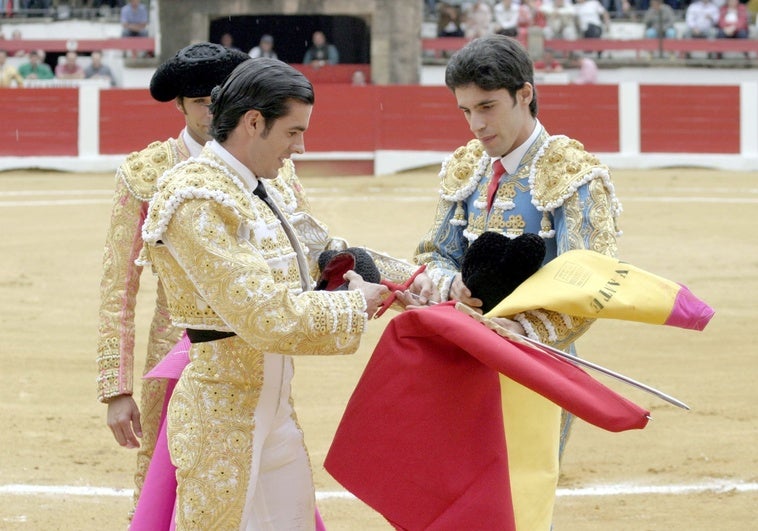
(733, 21)
(69, 68)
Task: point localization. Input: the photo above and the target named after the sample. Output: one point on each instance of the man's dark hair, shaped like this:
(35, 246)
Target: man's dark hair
(492, 62)
(264, 84)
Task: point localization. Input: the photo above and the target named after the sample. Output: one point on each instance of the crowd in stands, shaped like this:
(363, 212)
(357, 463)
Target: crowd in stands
(62, 9)
(134, 21)
(572, 19)
(69, 68)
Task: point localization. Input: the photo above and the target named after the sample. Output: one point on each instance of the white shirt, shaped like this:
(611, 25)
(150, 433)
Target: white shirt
(512, 160)
(589, 12)
(193, 146)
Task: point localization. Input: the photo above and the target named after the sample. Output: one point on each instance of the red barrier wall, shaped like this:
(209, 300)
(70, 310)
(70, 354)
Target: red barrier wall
(678, 119)
(39, 122)
(130, 119)
(341, 73)
(347, 118)
(387, 117)
(424, 118)
(343, 119)
(673, 119)
(589, 113)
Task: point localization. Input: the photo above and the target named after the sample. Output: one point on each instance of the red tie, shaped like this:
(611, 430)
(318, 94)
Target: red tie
(497, 171)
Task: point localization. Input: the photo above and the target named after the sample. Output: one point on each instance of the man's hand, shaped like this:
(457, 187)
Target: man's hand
(374, 293)
(424, 288)
(502, 325)
(459, 292)
(123, 414)
(422, 292)
(510, 325)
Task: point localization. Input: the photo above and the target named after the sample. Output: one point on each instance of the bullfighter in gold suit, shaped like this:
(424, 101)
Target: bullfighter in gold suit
(236, 275)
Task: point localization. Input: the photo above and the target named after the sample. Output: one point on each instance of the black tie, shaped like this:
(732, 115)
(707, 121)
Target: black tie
(260, 191)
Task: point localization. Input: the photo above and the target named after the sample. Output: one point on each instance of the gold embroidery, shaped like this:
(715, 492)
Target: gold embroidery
(459, 167)
(514, 226)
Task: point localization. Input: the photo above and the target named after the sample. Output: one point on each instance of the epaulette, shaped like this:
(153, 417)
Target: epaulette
(560, 167)
(199, 178)
(461, 171)
(142, 169)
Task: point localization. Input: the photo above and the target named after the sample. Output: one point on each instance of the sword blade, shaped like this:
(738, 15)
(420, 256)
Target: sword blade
(618, 376)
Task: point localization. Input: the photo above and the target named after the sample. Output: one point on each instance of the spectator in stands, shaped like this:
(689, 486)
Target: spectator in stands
(659, 21)
(35, 68)
(97, 70)
(9, 76)
(701, 17)
(359, 79)
(16, 36)
(227, 41)
(508, 17)
(733, 21)
(321, 52)
(548, 62)
(265, 48)
(478, 20)
(69, 68)
(534, 10)
(587, 69)
(592, 18)
(449, 21)
(619, 8)
(134, 19)
(560, 20)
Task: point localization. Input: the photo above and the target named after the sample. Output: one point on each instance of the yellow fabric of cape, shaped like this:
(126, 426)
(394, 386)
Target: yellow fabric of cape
(590, 284)
(532, 434)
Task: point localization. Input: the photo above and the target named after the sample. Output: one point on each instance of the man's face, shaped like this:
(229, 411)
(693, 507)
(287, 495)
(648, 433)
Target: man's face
(499, 122)
(197, 117)
(268, 149)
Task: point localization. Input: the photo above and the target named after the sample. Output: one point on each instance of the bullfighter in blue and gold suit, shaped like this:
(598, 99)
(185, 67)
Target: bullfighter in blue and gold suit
(550, 186)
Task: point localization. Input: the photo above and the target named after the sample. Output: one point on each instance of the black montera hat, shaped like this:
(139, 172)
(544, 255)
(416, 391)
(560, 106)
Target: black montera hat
(194, 71)
(334, 264)
(494, 265)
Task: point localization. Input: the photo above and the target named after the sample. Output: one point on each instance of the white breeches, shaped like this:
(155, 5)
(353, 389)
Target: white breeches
(280, 495)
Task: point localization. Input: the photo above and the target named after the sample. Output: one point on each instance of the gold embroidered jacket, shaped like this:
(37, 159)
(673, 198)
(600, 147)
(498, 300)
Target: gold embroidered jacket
(227, 264)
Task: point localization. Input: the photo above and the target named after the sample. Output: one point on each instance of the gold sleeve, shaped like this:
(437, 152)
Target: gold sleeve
(118, 291)
(255, 299)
